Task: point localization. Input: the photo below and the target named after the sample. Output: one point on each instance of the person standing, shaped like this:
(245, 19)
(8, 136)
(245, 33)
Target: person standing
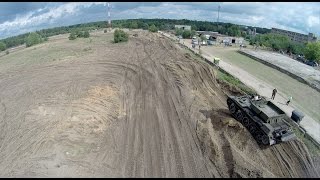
(290, 98)
(274, 92)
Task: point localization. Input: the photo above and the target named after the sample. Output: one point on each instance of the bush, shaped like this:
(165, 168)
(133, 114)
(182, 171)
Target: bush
(153, 28)
(2, 46)
(312, 51)
(120, 36)
(80, 34)
(72, 36)
(186, 34)
(7, 52)
(86, 34)
(32, 39)
(105, 31)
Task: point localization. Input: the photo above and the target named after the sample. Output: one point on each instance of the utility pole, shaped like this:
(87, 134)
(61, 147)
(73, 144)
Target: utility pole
(218, 16)
(109, 17)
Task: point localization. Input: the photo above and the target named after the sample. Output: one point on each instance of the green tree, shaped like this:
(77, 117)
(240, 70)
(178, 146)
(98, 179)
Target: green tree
(186, 34)
(32, 39)
(153, 28)
(3, 46)
(80, 34)
(120, 36)
(133, 25)
(193, 33)
(178, 32)
(86, 34)
(72, 36)
(312, 51)
(203, 38)
(145, 26)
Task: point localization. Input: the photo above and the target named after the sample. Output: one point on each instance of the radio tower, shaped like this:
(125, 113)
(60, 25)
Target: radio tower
(109, 17)
(218, 16)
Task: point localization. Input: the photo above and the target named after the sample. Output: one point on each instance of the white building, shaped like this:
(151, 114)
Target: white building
(183, 27)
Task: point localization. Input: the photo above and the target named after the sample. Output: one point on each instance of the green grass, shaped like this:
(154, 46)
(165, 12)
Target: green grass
(313, 148)
(45, 52)
(235, 82)
(304, 97)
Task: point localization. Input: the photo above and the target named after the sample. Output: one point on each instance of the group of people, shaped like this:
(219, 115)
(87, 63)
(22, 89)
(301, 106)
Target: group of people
(274, 92)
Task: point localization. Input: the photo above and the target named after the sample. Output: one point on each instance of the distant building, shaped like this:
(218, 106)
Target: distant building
(183, 27)
(294, 36)
(215, 36)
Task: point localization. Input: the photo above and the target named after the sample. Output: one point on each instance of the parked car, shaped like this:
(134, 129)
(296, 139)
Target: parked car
(194, 41)
(312, 63)
(210, 42)
(204, 43)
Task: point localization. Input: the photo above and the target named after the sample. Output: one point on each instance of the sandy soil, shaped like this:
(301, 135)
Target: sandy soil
(137, 109)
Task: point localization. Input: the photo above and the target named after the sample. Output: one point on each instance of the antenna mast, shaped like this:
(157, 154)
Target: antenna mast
(109, 17)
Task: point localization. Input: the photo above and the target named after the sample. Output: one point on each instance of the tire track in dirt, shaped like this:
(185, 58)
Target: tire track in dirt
(138, 114)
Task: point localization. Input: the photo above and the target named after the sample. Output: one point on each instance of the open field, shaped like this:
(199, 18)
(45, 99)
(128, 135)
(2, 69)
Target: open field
(304, 97)
(91, 108)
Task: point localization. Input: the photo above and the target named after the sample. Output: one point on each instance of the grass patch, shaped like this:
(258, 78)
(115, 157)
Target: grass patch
(233, 81)
(313, 148)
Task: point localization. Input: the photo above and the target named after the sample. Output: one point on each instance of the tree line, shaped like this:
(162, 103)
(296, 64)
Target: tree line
(264, 38)
(277, 42)
(146, 24)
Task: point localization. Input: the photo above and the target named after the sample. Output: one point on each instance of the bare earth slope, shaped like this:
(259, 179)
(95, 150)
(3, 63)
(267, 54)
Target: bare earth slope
(136, 109)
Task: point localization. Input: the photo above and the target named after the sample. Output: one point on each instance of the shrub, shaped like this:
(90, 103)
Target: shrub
(186, 34)
(312, 51)
(72, 36)
(7, 52)
(79, 34)
(86, 34)
(153, 28)
(120, 36)
(32, 39)
(2, 46)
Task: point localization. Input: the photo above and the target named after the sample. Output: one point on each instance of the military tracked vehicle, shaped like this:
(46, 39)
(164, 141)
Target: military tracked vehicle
(267, 123)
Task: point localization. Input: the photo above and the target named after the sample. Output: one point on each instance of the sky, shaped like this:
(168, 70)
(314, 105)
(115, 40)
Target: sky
(21, 17)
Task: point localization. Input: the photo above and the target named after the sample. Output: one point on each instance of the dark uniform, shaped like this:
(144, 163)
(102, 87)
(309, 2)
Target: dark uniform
(274, 92)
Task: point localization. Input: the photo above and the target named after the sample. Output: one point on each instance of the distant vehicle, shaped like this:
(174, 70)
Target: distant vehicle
(301, 59)
(210, 42)
(227, 44)
(204, 43)
(312, 63)
(194, 41)
(243, 45)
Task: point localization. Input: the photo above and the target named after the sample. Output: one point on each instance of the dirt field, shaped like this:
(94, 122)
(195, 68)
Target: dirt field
(90, 108)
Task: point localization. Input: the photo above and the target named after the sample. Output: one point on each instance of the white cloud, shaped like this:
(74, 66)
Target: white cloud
(52, 15)
(298, 16)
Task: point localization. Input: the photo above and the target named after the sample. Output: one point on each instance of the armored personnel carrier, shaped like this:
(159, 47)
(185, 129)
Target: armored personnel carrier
(267, 123)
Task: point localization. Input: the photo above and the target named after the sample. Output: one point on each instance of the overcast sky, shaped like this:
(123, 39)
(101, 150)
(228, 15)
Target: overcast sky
(21, 17)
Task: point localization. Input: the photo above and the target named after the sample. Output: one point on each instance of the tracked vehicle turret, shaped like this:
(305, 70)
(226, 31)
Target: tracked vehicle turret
(267, 123)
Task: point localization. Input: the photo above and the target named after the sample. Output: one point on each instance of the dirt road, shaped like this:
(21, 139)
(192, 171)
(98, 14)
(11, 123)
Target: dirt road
(137, 109)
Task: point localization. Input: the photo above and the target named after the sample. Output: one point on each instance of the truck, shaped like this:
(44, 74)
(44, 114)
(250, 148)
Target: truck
(266, 122)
